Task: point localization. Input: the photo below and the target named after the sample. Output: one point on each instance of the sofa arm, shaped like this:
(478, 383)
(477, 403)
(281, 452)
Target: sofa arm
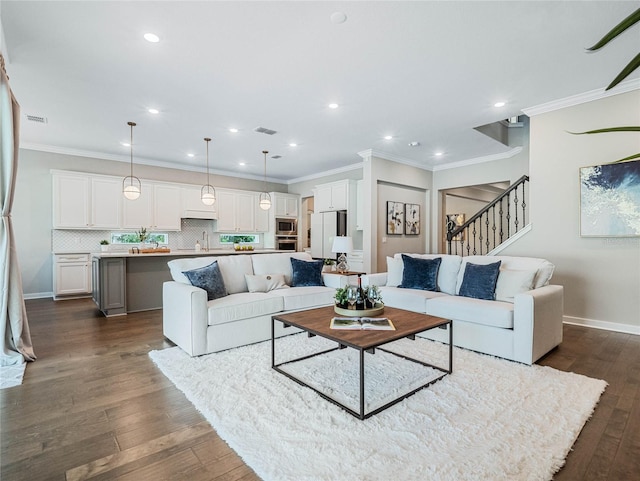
(537, 322)
(377, 279)
(184, 316)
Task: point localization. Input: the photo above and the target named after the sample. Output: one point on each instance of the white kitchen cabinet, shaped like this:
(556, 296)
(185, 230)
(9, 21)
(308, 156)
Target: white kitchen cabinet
(238, 211)
(355, 260)
(285, 205)
(82, 201)
(158, 208)
(192, 203)
(72, 275)
(332, 196)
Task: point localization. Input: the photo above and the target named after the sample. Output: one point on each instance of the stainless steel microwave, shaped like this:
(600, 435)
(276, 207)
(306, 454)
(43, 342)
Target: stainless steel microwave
(286, 227)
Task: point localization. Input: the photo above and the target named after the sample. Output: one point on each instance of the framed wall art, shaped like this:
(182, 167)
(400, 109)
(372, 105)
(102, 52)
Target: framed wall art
(395, 217)
(412, 219)
(610, 200)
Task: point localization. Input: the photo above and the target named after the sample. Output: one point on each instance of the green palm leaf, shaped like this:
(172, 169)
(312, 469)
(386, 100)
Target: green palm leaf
(617, 30)
(631, 66)
(609, 129)
(626, 159)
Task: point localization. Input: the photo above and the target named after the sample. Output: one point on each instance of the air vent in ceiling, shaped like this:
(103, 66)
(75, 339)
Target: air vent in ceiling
(41, 119)
(262, 130)
(276, 156)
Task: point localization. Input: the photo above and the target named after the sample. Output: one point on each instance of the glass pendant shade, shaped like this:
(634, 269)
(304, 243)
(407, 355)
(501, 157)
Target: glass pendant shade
(131, 186)
(265, 198)
(265, 201)
(207, 192)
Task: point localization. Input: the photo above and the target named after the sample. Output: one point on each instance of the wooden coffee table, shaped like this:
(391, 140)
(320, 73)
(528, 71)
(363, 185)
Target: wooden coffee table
(316, 323)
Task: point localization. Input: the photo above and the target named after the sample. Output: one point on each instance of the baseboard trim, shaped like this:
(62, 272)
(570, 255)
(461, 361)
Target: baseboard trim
(605, 325)
(38, 295)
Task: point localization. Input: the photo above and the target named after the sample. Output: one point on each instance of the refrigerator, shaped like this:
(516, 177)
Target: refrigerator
(324, 227)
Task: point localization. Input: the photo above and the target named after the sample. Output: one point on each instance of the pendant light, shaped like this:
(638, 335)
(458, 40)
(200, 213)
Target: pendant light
(131, 184)
(208, 193)
(265, 198)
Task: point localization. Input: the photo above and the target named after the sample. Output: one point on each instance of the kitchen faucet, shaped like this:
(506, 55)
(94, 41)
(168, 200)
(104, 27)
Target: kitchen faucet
(205, 239)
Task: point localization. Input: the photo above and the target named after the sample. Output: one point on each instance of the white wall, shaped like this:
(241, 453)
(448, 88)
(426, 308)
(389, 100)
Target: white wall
(601, 276)
(32, 210)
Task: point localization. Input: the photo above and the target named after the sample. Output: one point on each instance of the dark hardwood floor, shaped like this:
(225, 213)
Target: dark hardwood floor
(94, 406)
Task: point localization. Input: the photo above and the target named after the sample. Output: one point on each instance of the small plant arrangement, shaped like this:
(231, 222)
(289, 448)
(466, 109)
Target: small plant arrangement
(329, 262)
(104, 242)
(341, 297)
(142, 234)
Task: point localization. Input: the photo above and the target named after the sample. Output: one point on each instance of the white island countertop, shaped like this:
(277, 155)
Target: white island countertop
(184, 253)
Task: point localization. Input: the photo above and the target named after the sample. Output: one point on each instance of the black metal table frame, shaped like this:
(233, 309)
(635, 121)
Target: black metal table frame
(361, 415)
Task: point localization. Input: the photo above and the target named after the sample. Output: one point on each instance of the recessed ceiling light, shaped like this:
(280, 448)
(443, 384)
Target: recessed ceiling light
(154, 111)
(338, 17)
(233, 131)
(293, 145)
(438, 154)
(499, 104)
(414, 144)
(242, 164)
(388, 137)
(151, 37)
(125, 144)
(191, 155)
(333, 106)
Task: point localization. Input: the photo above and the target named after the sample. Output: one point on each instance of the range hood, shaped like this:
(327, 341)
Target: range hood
(200, 214)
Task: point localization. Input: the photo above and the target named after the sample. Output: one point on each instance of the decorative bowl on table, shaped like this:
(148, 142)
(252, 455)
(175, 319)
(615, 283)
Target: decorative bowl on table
(374, 311)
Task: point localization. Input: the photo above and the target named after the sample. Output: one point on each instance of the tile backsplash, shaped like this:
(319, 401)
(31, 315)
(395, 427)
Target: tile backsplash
(89, 240)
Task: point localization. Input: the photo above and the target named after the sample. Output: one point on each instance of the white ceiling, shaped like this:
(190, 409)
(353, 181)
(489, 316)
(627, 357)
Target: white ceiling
(421, 71)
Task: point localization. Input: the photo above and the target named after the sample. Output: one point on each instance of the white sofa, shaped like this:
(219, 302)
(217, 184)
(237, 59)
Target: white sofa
(200, 326)
(523, 324)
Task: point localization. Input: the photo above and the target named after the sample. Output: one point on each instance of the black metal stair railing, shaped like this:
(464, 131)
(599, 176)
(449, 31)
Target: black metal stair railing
(493, 225)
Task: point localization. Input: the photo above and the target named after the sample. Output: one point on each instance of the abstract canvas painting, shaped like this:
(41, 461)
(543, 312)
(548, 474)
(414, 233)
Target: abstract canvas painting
(610, 200)
(395, 217)
(412, 219)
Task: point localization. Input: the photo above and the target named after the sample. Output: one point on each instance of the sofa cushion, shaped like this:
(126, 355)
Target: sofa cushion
(409, 299)
(306, 273)
(512, 282)
(233, 268)
(208, 278)
(395, 267)
(477, 311)
(544, 268)
(420, 273)
(264, 282)
(305, 297)
(277, 263)
(479, 280)
(178, 266)
(447, 273)
(243, 305)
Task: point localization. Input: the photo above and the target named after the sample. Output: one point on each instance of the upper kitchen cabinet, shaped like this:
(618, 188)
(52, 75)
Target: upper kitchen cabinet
(238, 211)
(286, 205)
(192, 206)
(82, 201)
(332, 196)
(158, 208)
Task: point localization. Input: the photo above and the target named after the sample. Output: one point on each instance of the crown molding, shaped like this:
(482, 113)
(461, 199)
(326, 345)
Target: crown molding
(339, 170)
(141, 161)
(367, 154)
(582, 98)
(479, 160)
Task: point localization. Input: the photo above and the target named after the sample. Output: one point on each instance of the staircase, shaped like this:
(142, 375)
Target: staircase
(496, 223)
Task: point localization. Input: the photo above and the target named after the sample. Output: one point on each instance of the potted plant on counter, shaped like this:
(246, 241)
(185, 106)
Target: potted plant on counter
(328, 265)
(104, 245)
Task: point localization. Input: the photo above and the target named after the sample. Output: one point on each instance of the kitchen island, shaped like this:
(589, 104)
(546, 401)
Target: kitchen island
(125, 282)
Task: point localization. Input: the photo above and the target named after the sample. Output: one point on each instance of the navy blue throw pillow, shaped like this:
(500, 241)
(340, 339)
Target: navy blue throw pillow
(479, 281)
(420, 273)
(306, 273)
(208, 278)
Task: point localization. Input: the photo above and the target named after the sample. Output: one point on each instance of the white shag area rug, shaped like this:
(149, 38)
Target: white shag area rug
(490, 420)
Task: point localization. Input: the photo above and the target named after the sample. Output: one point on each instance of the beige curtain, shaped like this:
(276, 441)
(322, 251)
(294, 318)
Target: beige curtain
(14, 327)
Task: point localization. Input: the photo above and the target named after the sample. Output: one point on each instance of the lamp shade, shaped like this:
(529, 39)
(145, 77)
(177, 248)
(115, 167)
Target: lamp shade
(342, 244)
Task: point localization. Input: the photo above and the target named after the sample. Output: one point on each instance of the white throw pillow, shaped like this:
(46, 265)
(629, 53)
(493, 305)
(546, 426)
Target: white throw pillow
(395, 268)
(265, 282)
(512, 282)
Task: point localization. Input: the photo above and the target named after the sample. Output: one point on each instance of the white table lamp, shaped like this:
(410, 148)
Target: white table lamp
(342, 245)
